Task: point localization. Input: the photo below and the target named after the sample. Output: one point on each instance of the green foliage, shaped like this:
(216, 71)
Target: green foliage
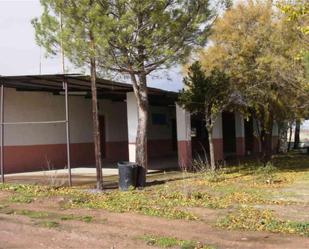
(205, 93)
(256, 47)
(248, 218)
(166, 242)
(208, 95)
(129, 36)
(297, 11)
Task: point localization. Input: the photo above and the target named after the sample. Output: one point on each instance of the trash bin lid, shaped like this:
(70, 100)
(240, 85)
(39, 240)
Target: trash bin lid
(126, 164)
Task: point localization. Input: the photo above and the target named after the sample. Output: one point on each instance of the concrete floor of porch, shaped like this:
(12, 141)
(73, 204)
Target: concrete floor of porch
(86, 176)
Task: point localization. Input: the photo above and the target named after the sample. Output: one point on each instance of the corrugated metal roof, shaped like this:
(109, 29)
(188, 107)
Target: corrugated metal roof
(76, 82)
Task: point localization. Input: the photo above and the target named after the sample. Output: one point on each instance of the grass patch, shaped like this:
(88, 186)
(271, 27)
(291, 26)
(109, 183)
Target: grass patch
(21, 198)
(45, 215)
(167, 242)
(33, 214)
(232, 186)
(249, 218)
(85, 218)
(48, 224)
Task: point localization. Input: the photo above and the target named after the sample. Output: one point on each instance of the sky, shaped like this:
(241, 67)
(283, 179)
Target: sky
(19, 54)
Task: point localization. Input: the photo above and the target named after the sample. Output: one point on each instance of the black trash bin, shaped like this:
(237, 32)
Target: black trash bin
(127, 173)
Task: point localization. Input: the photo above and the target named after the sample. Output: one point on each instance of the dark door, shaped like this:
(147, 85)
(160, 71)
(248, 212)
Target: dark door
(229, 132)
(249, 135)
(102, 135)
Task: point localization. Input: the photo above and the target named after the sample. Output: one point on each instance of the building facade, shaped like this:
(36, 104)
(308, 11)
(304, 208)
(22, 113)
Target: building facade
(173, 132)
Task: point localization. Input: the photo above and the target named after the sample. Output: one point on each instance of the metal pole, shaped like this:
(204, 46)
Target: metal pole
(35, 122)
(2, 134)
(67, 126)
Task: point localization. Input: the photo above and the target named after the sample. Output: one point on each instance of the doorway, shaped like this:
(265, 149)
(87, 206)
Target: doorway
(229, 133)
(174, 134)
(249, 138)
(102, 136)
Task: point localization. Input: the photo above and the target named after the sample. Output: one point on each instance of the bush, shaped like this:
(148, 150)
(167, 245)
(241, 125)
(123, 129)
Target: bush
(267, 174)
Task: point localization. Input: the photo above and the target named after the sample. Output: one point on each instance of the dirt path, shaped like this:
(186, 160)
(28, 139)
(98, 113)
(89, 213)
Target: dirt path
(114, 230)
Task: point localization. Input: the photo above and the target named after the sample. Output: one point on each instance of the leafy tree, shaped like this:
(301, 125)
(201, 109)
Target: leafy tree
(132, 37)
(72, 25)
(256, 48)
(207, 94)
(297, 11)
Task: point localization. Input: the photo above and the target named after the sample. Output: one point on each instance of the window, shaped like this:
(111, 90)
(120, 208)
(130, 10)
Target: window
(159, 119)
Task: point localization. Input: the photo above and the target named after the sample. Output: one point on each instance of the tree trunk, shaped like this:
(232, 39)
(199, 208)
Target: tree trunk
(278, 145)
(283, 138)
(266, 138)
(211, 151)
(267, 154)
(141, 94)
(296, 134)
(96, 125)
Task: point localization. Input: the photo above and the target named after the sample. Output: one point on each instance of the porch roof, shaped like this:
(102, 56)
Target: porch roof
(81, 85)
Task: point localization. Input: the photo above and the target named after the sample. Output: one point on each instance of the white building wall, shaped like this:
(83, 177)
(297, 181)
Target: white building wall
(217, 128)
(183, 124)
(40, 106)
(22, 106)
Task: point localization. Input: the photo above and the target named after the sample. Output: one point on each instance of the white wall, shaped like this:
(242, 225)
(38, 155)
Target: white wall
(183, 124)
(41, 106)
(217, 129)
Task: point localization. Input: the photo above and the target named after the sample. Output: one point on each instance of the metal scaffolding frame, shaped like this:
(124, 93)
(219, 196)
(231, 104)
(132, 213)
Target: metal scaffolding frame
(66, 122)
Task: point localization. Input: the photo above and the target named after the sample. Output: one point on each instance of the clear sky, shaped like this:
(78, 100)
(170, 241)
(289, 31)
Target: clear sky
(20, 55)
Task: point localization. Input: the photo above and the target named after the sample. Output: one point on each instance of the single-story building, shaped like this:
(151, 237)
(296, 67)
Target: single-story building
(31, 142)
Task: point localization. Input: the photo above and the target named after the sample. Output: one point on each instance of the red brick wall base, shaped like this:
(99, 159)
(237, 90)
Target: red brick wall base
(240, 146)
(53, 156)
(42, 157)
(218, 149)
(184, 154)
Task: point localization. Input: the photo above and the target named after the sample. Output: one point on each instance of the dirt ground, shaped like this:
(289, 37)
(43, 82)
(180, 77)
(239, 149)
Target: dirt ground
(114, 230)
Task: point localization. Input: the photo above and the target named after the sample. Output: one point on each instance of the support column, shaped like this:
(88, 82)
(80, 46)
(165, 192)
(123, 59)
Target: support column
(240, 134)
(132, 120)
(183, 120)
(217, 139)
(67, 129)
(2, 133)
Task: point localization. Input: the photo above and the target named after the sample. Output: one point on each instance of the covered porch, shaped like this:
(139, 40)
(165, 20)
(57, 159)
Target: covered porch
(37, 108)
